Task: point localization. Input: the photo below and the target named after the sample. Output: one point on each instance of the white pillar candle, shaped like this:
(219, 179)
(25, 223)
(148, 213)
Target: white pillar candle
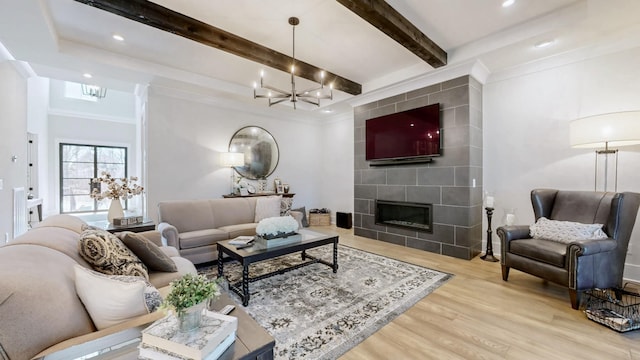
(511, 219)
(489, 201)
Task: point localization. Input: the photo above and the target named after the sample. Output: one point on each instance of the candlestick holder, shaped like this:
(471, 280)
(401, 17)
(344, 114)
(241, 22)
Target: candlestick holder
(488, 255)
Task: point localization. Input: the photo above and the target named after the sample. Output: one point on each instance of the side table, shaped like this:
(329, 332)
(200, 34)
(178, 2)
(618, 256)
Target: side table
(146, 225)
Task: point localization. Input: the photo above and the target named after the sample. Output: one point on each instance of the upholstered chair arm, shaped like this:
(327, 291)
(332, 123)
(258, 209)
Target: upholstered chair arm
(169, 235)
(593, 264)
(512, 232)
(590, 247)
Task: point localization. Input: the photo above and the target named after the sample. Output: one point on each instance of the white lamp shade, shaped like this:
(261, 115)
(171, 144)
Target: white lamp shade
(613, 130)
(229, 159)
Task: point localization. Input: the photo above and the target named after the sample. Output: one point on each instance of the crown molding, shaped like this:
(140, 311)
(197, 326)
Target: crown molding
(473, 68)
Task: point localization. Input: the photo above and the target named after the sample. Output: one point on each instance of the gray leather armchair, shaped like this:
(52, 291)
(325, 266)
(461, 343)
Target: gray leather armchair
(579, 265)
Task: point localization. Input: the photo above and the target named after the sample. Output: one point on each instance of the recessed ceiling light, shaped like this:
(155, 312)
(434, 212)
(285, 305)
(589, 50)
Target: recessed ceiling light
(117, 37)
(507, 3)
(327, 111)
(87, 75)
(544, 43)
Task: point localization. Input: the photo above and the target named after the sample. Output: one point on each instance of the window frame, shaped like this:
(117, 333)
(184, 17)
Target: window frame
(96, 173)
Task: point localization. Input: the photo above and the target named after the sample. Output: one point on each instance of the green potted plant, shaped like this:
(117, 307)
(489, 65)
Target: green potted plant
(189, 295)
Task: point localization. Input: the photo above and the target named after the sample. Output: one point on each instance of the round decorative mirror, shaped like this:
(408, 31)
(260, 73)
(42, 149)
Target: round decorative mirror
(260, 152)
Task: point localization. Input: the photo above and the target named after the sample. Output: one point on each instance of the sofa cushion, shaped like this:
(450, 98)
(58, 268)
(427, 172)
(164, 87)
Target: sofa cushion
(70, 222)
(148, 252)
(239, 230)
(233, 211)
(111, 299)
(550, 252)
(193, 239)
(108, 255)
(188, 215)
(565, 231)
(267, 206)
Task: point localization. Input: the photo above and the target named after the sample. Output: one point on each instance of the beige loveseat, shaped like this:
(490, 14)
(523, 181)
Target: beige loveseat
(40, 310)
(195, 226)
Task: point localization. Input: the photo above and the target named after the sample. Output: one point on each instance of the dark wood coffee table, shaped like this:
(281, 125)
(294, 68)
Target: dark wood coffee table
(249, 255)
(252, 341)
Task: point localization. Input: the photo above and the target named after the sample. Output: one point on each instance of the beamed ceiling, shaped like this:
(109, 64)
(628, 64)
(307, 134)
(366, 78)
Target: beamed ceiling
(217, 48)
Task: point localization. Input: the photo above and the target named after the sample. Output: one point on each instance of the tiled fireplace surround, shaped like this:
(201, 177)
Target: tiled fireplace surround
(452, 182)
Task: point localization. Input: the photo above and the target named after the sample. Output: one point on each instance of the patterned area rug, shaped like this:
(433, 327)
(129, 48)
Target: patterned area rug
(316, 314)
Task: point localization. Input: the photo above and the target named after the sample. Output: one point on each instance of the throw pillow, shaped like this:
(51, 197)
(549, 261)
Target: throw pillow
(150, 254)
(565, 231)
(108, 255)
(267, 206)
(110, 300)
(303, 210)
(285, 206)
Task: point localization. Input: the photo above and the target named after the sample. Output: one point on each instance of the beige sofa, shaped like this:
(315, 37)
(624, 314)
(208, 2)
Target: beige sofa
(40, 311)
(195, 226)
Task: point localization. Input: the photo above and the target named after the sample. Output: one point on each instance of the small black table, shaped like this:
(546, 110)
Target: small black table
(248, 255)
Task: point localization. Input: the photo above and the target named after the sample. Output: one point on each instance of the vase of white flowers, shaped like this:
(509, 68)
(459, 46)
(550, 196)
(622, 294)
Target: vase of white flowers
(116, 189)
(115, 210)
(277, 231)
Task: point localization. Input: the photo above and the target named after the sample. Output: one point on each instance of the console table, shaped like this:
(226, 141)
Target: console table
(286, 195)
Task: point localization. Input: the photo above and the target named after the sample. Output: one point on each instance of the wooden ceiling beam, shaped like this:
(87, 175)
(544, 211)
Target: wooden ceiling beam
(381, 15)
(162, 18)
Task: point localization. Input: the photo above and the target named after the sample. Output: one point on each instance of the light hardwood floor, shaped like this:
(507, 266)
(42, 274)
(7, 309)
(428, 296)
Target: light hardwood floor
(477, 315)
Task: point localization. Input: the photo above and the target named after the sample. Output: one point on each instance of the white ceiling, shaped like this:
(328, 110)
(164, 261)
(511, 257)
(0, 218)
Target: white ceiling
(63, 39)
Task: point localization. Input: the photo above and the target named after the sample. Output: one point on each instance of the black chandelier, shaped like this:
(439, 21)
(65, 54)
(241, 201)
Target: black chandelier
(276, 96)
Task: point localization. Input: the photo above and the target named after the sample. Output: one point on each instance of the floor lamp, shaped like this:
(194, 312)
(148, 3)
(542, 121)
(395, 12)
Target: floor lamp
(230, 160)
(603, 132)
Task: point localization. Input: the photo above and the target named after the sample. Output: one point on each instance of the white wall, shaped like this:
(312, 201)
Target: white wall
(337, 165)
(13, 127)
(526, 133)
(185, 138)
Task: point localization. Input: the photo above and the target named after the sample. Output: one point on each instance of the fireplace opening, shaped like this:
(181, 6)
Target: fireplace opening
(408, 215)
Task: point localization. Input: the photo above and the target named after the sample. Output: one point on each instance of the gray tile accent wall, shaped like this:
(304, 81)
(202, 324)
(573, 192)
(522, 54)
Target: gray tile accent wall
(452, 182)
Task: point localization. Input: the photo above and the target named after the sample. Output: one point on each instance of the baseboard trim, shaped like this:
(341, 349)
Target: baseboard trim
(631, 273)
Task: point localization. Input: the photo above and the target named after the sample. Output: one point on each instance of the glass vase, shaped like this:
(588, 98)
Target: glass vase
(115, 210)
(509, 216)
(190, 318)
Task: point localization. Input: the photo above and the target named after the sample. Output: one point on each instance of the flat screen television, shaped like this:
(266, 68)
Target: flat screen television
(405, 135)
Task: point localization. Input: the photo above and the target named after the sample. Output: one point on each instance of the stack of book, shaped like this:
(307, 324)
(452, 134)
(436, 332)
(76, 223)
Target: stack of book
(242, 241)
(162, 340)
